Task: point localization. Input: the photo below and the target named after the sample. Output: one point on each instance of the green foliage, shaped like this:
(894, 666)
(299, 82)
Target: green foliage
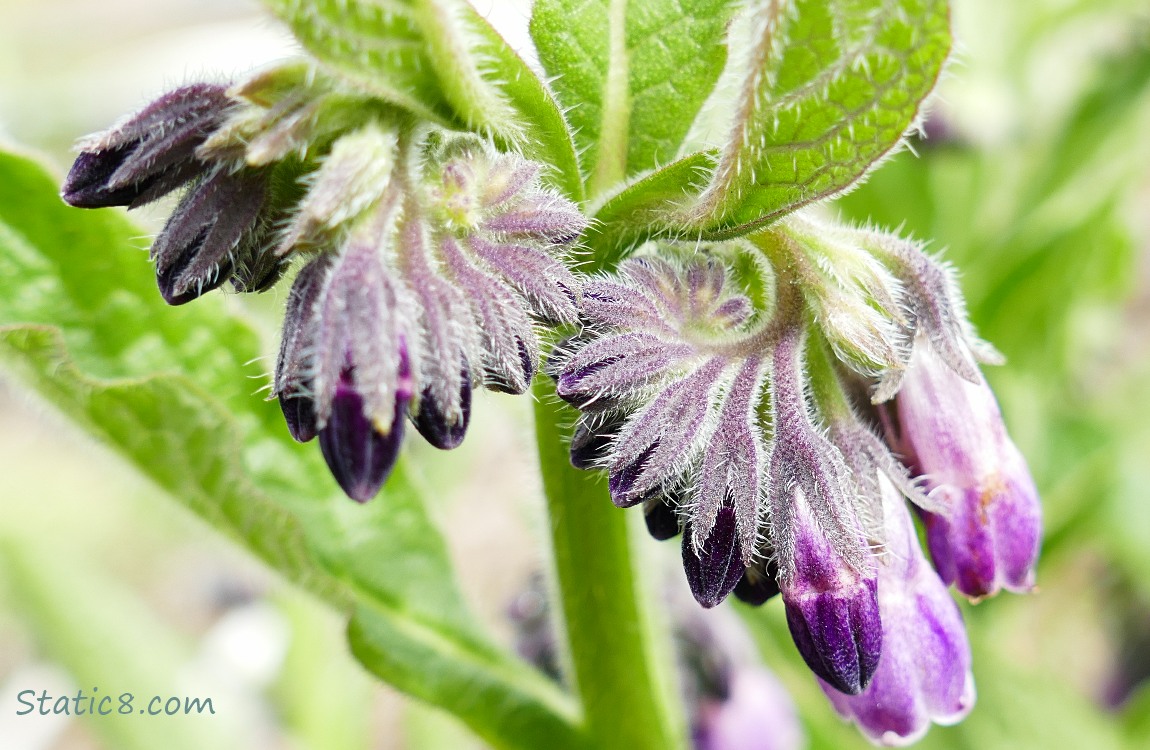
(443, 62)
(88, 332)
(813, 96)
(631, 75)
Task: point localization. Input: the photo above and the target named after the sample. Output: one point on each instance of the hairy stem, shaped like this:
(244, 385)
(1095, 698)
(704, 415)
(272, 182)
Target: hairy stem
(620, 661)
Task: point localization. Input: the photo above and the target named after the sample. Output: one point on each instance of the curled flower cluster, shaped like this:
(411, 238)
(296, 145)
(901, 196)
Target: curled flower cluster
(426, 258)
(742, 394)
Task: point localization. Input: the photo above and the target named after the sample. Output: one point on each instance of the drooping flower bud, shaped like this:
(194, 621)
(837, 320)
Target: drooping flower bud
(294, 386)
(362, 374)
(149, 154)
(924, 674)
(759, 583)
(826, 573)
(715, 566)
(195, 251)
(987, 538)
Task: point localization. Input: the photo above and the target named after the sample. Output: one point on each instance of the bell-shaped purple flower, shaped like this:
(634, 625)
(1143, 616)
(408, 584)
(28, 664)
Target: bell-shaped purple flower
(988, 537)
(924, 674)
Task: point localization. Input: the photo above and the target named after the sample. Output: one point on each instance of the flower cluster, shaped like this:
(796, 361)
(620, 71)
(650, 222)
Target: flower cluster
(777, 401)
(426, 258)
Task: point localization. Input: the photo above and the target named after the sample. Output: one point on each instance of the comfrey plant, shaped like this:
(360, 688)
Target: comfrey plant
(782, 391)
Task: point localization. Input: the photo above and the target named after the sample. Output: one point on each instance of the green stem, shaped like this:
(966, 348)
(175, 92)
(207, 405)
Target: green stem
(620, 660)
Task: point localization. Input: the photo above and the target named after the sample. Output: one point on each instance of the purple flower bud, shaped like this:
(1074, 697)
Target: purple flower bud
(195, 251)
(826, 575)
(924, 674)
(591, 443)
(759, 584)
(359, 454)
(433, 422)
(148, 154)
(362, 373)
(659, 513)
(714, 565)
(989, 536)
(833, 616)
(293, 381)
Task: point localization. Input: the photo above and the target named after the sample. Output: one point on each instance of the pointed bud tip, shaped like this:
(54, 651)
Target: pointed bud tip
(714, 572)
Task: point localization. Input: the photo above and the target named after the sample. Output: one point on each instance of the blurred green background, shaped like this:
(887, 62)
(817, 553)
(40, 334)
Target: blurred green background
(1034, 180)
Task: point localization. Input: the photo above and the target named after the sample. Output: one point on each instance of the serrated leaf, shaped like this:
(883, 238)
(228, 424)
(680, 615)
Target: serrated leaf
(813, 96)
(82, 325)
(820, 92)
(442, 61)
(632, 75)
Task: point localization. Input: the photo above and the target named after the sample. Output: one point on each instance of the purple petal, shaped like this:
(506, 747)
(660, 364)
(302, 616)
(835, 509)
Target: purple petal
(716, 567)
(435, 426)
(988, 534)
(359, 455)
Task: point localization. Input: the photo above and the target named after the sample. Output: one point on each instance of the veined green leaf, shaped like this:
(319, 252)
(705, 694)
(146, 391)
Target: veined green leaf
(632, 75)
(819, 91)
(442, 61)
(814, 94)
(82, 325)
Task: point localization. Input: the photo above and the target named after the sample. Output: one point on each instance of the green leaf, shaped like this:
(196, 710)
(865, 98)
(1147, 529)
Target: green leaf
(442, 61)
(814, 94)
(632, 75)
(166, 389)
(820, 91)
(107, 639)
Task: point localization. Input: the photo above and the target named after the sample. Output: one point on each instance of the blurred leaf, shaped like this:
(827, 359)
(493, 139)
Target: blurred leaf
(324, 698)
(632, 75)
(442, 61)
(109, 640)
(83, 327)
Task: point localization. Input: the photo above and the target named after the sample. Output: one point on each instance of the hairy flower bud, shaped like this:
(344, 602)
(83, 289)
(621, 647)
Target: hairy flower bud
(293, 384)
(149, 154)
(988, 535)
(924, 674)
(195, 252)
(715, 565)
(826, 574)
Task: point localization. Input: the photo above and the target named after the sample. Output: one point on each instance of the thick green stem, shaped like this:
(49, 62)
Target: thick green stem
(620, 659)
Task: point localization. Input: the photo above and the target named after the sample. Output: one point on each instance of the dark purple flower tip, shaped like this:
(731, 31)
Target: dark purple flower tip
(150, 154)
(86, 185)
(359, 455)
(838, 633)
(517, 382)
(758, 586)
(194, 252)
(569, 383)
(299, 413)
(714, 573)
(433, 423)
(621, 483)
(591, 442)
(662, 521)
